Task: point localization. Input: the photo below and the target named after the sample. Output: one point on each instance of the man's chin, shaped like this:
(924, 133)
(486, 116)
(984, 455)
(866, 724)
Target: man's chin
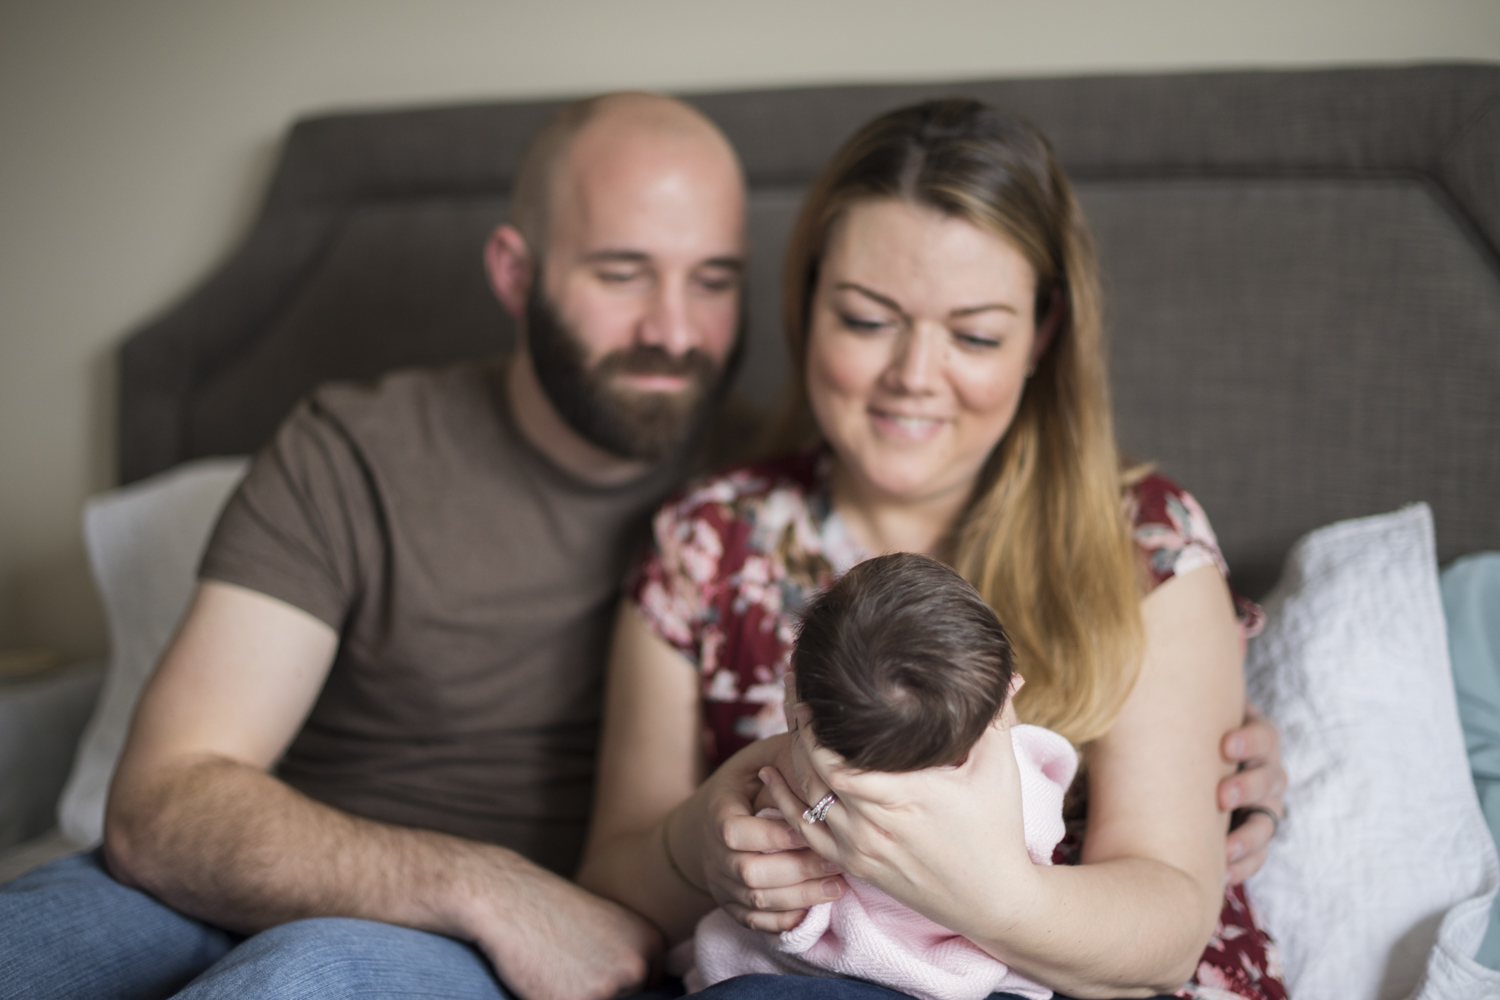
(651, 426)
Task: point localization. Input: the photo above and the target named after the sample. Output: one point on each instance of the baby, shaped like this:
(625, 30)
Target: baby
(900, 666)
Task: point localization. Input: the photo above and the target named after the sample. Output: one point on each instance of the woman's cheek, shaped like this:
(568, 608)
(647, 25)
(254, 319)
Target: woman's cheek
(992, 397)
(841, 373)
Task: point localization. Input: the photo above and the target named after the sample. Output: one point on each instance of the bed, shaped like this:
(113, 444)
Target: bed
(1302, 273)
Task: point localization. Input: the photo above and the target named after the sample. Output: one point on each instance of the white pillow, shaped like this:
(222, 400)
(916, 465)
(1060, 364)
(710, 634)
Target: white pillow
(144, 543)
(1379, 883)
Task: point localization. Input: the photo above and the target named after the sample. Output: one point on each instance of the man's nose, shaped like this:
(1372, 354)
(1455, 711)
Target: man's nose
(668, 321)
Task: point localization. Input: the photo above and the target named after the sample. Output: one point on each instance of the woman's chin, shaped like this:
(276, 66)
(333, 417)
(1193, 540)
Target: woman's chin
(898, 479)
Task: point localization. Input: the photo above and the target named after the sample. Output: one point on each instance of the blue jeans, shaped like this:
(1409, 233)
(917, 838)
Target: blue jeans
(68, 930)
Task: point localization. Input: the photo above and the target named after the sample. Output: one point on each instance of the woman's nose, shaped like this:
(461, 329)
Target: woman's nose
(914, 367)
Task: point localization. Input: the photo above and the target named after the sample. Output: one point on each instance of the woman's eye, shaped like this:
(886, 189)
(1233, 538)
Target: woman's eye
(617, 277)
(860, 324)
(977, 341)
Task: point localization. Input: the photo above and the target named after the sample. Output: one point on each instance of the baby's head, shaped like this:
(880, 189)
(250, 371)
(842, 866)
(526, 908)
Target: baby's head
(902, 665)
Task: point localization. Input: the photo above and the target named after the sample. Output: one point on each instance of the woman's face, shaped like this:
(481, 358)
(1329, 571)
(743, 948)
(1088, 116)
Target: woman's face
(921, 334)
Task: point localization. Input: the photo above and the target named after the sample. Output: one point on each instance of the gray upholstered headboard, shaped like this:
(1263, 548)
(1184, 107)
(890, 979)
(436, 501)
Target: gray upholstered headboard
(1302, 271)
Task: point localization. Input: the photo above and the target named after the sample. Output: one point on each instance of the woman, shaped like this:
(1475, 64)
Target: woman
(942, 313)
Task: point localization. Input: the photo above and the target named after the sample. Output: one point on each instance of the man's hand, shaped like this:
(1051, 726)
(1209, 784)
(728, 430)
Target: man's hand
(551, 940)
(1260, 781)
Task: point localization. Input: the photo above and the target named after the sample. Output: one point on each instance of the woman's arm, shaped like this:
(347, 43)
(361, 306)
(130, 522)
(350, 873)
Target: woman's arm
(648, 800)
(1135, 917)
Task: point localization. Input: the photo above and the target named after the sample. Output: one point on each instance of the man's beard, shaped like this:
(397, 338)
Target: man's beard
(646, 426)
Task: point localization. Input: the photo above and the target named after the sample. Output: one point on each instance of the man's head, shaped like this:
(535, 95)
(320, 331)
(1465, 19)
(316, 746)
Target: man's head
(624, 264)
(902, 665)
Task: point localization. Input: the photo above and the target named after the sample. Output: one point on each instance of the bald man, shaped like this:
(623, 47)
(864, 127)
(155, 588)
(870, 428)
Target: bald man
(365, 763)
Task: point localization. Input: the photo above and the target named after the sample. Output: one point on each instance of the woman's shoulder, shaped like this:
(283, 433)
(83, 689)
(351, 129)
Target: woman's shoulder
(1170, 527)
(1174, 537)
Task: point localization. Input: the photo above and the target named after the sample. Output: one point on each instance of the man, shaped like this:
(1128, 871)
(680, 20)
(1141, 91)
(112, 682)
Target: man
(373, 737)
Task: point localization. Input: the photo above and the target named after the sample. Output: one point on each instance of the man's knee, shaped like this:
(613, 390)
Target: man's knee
(71, 930)
(335, 957)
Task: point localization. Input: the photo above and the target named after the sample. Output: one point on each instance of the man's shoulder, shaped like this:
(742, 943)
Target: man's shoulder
(408, 390)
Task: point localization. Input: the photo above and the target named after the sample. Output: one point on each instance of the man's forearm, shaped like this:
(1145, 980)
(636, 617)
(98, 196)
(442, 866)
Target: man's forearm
(231, 845)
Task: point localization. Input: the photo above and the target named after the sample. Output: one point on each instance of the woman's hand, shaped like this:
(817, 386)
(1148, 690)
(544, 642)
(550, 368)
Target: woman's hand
(1259, 783)
(928, 837)
(759, 870)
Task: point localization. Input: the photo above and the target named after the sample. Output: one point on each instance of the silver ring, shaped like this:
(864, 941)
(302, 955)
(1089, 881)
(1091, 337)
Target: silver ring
(1275, 819)
(819, 811)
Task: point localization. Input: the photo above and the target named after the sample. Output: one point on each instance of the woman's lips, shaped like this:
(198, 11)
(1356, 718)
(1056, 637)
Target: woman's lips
(905, 426)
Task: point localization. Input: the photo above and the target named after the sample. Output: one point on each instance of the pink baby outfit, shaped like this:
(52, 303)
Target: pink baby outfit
(868, 935)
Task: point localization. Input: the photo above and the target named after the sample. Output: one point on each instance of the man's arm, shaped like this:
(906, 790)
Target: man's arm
(195, 819)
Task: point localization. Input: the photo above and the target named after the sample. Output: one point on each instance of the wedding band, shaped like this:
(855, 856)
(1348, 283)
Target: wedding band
(819, 812)
(1275, 819)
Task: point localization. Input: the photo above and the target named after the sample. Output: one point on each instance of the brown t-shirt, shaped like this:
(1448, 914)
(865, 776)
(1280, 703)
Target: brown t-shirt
(472, 584)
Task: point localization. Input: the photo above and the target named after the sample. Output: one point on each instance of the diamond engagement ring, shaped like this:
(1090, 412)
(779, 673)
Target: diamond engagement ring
(818, 812)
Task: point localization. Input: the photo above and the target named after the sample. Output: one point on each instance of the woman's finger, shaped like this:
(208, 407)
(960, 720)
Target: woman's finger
(817, 835)
(1246, 846)
(753, 835)
(1256, 739)
(830, 772)
(1241, 870)
(778, 882)
(762, 920)
(1254, 785)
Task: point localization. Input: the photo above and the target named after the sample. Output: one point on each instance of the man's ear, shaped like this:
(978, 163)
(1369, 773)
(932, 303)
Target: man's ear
(1047, 328)
(508, 262)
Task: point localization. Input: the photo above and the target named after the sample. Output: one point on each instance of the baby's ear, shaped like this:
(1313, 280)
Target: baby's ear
(1008, 716)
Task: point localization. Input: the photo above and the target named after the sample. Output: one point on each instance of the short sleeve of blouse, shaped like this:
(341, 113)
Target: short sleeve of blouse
(1174, 537)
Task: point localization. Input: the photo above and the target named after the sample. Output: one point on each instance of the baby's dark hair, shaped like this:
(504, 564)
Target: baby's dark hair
(902, 663)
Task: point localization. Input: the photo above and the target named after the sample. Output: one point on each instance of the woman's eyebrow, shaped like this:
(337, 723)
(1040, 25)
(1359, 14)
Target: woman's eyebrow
(890, 303)
(971, 310)
(886, 301)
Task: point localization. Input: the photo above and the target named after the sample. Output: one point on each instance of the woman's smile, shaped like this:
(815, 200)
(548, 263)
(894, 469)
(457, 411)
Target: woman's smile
(906, 426)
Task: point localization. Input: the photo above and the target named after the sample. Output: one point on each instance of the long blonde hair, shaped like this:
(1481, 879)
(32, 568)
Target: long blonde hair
(1044, 537)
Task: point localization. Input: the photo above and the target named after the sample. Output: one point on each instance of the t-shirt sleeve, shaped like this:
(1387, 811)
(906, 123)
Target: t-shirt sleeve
(677, 579)
(1174, 537)
(293, 530)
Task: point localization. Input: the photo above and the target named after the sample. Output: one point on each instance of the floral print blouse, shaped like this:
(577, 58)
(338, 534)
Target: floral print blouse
(737, 555)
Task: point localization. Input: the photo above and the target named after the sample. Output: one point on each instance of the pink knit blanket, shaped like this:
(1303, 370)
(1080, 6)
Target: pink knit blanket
(867, 935)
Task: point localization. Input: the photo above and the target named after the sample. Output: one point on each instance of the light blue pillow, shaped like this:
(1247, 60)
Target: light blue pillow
(1471, 603)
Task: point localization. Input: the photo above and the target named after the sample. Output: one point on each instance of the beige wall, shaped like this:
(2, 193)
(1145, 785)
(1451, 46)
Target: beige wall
(135, 139)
